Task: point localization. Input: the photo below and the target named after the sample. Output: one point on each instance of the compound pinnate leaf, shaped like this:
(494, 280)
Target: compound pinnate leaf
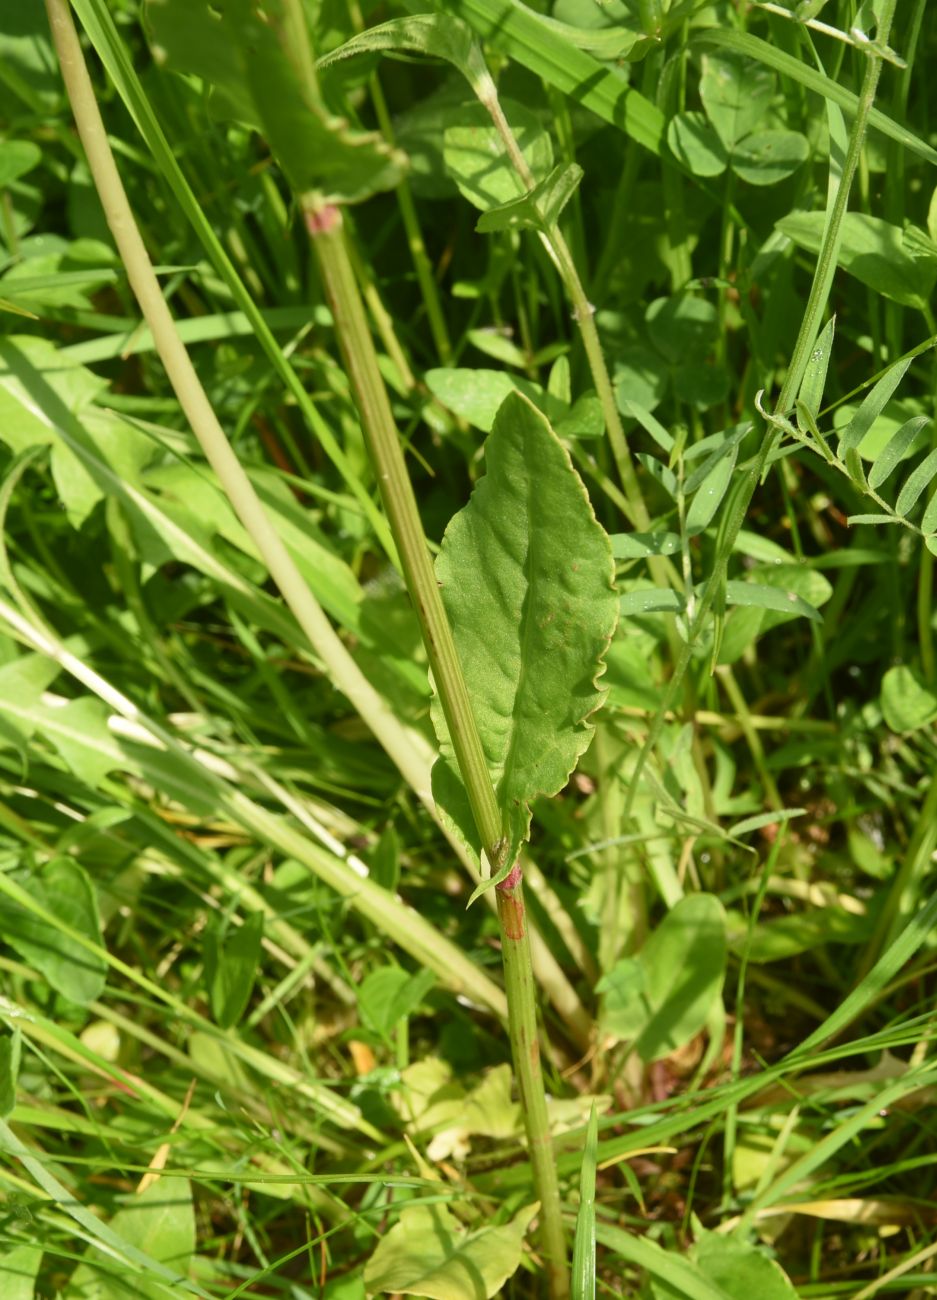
(527, 580)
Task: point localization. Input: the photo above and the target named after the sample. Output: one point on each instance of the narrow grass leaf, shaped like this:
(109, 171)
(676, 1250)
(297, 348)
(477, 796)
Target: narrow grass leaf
(582, 1278)
(527, 580)
(10, 1053)
(755, 823)
(680, 1275)
(136, 1262)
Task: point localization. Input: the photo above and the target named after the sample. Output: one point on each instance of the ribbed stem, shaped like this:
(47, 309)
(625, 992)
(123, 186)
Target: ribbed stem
(324, 224)
(525, 1046)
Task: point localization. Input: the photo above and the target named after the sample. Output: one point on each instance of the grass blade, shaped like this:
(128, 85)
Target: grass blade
(583, 1274)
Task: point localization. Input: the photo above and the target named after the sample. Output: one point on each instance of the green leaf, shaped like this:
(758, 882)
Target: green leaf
(743, 43)
(527, 581)
(232, 954)
(754, 823)
(10, 1051)
(651, 600)
(697, 145)
(584, 419)
(899, 446)
(17, 157)
(635, 546)
(63, 900)
(527, 38)
(438, 36)
(736, 94)
(624, 1006)
(246, 55)
(814, 380)
(683, 327)
(784, 937)
(919, 478)
(854, 520)
(428, 1253)
(540, 209)
(791, 580)
(769, 157)
(684, 964)
(681, 1276)
(641, 379)
(388, 994)
(872, 406)
(159, 1221)
(929, 517)
(761, 597)
(476, 160)
(710, 492)
(740, 1269)
(900, 264)
(663, 997)
(907, 703)
(18, 1268)
(477, 395)
(43, 395)
(582, 1277)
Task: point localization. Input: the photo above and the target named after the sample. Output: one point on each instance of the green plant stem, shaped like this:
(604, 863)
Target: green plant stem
(406, 749)
(357, 349)
(324, 223)
(584, 315)
(522, 1023)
